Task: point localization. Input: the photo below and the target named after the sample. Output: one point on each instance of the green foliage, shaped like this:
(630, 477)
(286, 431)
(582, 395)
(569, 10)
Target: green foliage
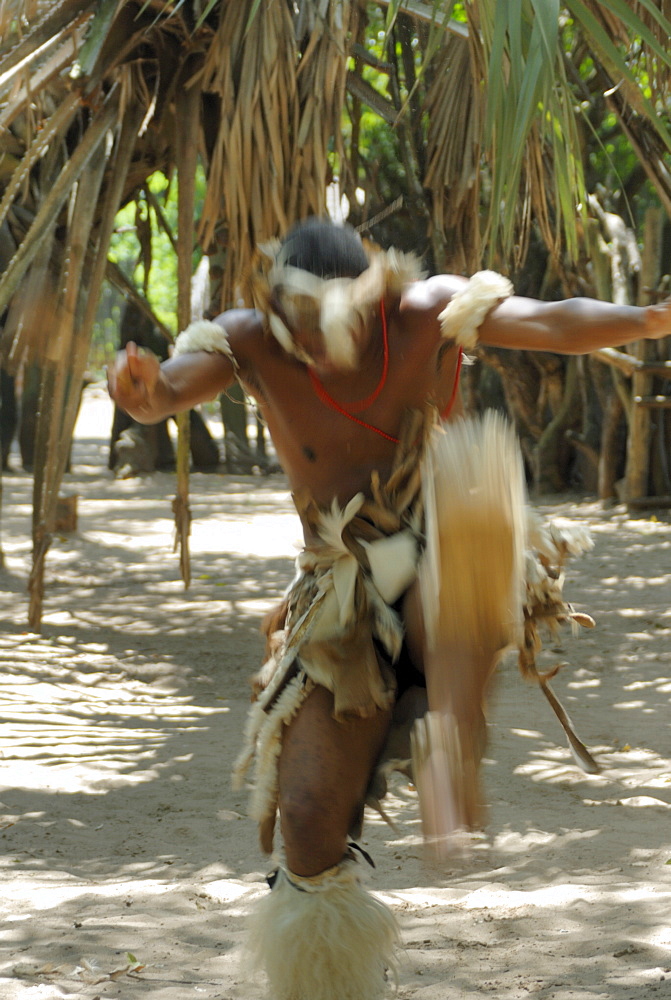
(145, 252)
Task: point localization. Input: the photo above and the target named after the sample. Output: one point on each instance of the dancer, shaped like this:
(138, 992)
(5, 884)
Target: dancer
(351, 359)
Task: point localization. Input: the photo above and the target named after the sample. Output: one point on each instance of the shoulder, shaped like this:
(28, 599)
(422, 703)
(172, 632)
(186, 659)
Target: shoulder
(241, 323)
(421, 304)
(431, 295)
(245, 330)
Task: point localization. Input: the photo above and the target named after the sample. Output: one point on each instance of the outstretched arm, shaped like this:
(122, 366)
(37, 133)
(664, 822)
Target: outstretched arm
(573, 326)
(149, 391)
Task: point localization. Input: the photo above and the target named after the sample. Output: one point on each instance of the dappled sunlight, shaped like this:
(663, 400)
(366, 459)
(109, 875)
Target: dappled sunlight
(120, 831)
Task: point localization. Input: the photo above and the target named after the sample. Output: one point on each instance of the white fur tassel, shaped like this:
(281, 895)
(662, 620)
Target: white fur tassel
(323, 938)
(472, 573)
(462, 316)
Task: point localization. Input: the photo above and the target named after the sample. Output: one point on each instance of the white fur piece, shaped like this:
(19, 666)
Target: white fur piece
(462, 316)
(548, 547)
(333, 522)
(337, 568)
(402, 268)
(338, 306)
(472, 571)
(266, 730)
(323, 938)
(337, 320)
(304, 295)
(556, 541)
(204, 335)
(387, 624)
(393, 563)
(281, 333)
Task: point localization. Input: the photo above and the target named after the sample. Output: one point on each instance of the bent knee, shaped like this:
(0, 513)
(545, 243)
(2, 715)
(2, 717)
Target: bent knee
(314, 834)
(309, 815)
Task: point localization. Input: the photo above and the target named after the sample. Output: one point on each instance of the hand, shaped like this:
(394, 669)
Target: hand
(132, 380)
(658, 320)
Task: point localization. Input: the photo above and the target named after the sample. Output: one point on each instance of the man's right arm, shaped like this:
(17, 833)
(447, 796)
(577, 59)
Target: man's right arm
(150, 392)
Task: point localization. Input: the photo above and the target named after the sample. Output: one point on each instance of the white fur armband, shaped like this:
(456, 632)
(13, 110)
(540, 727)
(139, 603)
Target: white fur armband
(462, 316)
(204, 335)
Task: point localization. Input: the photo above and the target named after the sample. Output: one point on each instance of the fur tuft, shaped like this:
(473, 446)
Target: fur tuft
(471, 582)
(323, 938)
(466, 310)
(204, 335)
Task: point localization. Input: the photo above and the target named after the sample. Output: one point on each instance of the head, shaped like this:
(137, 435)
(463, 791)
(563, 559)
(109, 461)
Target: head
(324, 249)
(310, 292)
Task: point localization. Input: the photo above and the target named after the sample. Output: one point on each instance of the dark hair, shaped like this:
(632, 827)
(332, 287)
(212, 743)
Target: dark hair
(324, 248)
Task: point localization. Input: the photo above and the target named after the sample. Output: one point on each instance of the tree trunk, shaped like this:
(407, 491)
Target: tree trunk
(637, 477)
(550, 473)
(30, 395)
(9, 415)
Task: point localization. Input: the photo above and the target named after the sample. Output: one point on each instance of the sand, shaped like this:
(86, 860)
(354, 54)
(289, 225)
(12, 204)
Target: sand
(127, 862)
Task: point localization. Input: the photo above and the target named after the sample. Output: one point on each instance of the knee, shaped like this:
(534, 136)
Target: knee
(306, 815)
(315, 836)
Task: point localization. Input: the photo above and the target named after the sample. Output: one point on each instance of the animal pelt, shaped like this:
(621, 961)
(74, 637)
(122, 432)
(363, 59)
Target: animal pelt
(339, 308)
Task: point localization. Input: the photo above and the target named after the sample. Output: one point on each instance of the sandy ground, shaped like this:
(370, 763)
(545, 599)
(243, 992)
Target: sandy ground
(127, 862)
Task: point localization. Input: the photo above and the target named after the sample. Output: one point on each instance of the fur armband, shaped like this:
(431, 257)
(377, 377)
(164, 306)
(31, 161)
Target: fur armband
(204, 335)
(462, 316)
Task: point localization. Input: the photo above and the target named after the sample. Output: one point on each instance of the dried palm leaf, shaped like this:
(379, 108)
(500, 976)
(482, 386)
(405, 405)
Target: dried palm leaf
(62, 371)
(54, 201)
(454, 150)
(44, 24)
(52, 127)
(281, 99)
(36, 80)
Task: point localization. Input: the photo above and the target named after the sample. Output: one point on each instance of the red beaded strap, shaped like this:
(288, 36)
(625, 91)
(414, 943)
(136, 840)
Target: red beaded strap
(360, 405)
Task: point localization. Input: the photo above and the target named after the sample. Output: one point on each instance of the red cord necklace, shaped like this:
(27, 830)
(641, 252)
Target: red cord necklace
(362, 404)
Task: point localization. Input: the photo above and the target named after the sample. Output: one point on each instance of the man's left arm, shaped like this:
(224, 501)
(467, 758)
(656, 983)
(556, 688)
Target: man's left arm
(572, 326)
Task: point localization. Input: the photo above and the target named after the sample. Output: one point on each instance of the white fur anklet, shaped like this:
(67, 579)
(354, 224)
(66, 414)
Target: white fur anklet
(323, 937)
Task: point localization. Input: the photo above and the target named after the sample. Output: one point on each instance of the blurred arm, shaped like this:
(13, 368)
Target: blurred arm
(150, 392)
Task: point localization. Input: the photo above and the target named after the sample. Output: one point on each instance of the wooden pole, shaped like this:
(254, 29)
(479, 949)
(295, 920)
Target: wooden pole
(67, 348)
(637, 472)
(188, 125)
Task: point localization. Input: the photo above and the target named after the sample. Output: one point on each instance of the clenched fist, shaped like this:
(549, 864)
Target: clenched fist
(132, 380)
(658, 320)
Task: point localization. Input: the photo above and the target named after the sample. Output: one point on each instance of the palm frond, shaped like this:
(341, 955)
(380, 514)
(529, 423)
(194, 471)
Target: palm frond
(526, 132)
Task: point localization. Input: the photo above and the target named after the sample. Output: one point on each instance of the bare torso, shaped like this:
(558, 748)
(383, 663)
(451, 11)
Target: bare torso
(321, 449)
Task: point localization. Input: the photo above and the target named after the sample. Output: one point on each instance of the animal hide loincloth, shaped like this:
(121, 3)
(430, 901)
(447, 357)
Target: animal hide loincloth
(339, 626)
(338, 615)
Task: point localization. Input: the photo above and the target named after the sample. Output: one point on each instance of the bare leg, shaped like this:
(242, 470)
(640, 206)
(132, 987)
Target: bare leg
(319, 934)
(325, 767)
